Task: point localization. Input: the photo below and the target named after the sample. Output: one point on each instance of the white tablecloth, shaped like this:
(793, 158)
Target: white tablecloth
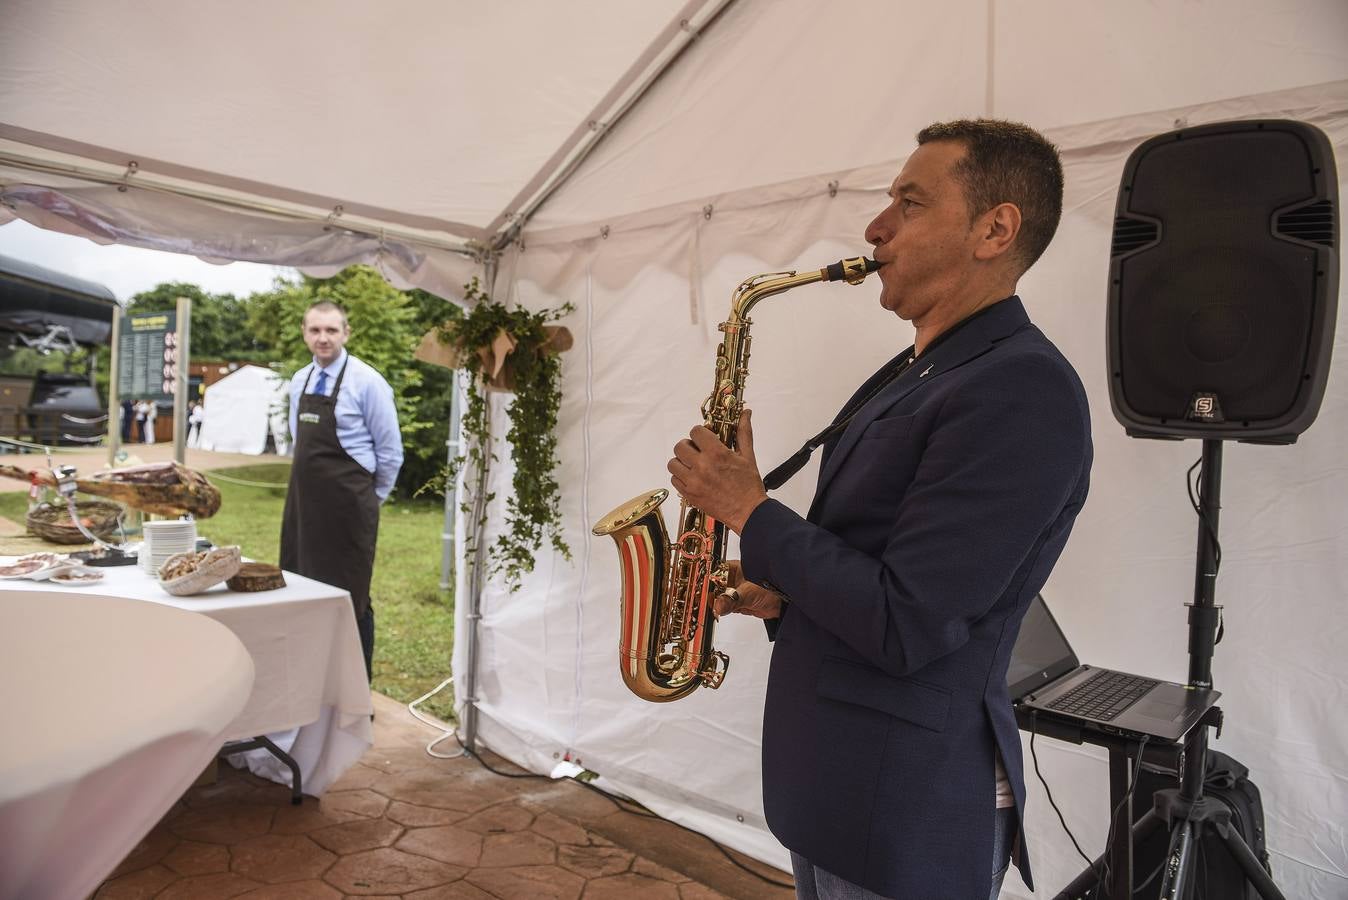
(111, 708)
(306, 652)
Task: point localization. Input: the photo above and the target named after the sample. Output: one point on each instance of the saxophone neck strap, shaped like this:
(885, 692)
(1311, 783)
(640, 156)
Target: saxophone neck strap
(780, 475)
(784, 472)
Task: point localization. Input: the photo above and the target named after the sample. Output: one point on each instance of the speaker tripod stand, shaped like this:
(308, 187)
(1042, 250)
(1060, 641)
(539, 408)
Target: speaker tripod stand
(1185, 811)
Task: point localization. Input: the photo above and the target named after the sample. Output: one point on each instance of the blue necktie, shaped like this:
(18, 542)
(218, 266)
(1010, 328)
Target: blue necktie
(321, 388)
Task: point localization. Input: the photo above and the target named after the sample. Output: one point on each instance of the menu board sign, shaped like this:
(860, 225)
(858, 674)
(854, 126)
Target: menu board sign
(147, 356)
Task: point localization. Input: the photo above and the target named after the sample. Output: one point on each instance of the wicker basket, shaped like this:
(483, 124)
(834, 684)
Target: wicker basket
(214, 567)
(52, 523)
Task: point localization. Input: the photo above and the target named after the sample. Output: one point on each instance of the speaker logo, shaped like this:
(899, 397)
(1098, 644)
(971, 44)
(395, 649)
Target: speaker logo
(1205, 408)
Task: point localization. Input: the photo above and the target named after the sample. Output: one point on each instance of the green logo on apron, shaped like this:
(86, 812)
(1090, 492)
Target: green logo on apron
(309, 418)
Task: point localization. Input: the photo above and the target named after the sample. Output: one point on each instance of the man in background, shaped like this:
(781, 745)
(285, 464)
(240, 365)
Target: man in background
(348, 451)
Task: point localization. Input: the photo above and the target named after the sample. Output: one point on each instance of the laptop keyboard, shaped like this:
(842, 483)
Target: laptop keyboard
(1103, 696)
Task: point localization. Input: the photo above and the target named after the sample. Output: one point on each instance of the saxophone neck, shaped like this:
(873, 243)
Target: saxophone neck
(760, 287)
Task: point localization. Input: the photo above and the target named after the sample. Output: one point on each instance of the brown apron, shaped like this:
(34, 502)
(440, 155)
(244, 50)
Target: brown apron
(332, 512)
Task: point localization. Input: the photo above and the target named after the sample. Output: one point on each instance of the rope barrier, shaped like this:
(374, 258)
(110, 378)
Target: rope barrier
(212, 476)
(43, 447)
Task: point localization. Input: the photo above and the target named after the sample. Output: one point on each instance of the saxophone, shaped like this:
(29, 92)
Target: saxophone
(665, 650)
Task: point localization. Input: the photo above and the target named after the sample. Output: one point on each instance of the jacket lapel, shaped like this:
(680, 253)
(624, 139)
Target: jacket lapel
(971, 340)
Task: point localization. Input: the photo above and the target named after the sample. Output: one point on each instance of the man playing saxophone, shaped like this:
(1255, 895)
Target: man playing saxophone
(947, 489)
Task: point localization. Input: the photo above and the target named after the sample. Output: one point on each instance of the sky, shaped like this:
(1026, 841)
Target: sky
(127, 271)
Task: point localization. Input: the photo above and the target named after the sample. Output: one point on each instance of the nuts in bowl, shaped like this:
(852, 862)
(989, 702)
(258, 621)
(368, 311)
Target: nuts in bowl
(192, 572)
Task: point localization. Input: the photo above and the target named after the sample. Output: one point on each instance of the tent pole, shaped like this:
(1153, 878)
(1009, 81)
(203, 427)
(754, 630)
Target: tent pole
(476, 578)
(478, 529)
(643, 75)
(452, 446)
(115, 390)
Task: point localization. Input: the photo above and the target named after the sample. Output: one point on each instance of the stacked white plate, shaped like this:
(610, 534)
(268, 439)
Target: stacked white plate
(163, 539)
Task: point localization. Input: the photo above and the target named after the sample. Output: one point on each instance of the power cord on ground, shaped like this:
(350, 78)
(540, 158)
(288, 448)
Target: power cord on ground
(445, 733)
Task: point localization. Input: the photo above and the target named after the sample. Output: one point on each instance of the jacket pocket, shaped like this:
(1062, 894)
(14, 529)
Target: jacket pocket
(891, 427)
(913, 701)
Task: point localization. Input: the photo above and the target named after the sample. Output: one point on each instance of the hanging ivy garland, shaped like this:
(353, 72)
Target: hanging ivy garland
(533, 512)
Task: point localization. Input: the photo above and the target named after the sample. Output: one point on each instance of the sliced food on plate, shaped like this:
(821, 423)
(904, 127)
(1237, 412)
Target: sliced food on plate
(22, 568)
(76, 575)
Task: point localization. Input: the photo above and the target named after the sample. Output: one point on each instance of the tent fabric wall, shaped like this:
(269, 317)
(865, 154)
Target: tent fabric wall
(649, 295)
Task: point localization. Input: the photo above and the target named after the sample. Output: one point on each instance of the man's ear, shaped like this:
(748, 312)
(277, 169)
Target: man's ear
(997, 230)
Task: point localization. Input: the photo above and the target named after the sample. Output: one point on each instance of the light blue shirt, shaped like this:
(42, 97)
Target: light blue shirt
(367, 419)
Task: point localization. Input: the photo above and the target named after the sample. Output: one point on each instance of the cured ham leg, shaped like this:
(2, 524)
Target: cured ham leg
(164, 489)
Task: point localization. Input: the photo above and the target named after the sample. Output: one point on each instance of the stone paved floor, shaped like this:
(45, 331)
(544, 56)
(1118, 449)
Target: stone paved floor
(402, 824)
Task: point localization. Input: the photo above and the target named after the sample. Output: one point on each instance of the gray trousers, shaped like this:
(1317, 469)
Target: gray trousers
(814, 883)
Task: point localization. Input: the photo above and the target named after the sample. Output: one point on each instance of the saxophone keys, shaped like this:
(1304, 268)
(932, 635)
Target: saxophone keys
(713, 676)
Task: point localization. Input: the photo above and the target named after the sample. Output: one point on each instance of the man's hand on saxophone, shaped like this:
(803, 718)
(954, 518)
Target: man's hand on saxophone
(747, 598)
(721, 482)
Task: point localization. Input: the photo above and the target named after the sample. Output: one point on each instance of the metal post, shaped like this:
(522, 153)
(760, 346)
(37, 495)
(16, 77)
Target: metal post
(478, 578)
(180, 387)
(114, 390)
(453, 445)
(1204, 613)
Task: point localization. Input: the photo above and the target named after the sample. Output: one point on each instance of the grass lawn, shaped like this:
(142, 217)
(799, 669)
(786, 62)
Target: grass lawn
(414, 632)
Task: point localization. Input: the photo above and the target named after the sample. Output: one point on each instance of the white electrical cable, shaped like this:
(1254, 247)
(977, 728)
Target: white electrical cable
(444, 733)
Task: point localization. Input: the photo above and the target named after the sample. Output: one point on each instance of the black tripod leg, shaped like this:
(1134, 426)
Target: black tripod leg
(1089, 879)
(1178, 862)
(1249, 863)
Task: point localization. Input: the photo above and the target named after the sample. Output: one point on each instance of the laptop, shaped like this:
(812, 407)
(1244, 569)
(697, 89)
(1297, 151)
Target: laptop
(1045, 675)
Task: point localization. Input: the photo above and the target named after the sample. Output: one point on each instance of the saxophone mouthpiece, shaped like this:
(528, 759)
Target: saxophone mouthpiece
(853, 271)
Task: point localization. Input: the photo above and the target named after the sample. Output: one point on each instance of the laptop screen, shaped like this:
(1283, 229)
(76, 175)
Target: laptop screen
(1041, 653)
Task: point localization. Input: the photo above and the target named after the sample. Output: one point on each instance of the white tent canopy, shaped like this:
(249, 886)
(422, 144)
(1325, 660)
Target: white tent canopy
(767, 143)
(240, 409)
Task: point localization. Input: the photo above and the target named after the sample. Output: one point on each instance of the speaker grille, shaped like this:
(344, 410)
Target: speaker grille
(1313, 222)
(1131, 234)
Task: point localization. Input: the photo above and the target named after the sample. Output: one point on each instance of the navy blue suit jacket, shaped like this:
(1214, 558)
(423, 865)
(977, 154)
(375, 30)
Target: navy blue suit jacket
(939, 513)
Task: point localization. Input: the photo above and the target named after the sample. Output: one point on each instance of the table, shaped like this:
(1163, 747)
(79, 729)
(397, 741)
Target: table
(112, 707)
(310, 681)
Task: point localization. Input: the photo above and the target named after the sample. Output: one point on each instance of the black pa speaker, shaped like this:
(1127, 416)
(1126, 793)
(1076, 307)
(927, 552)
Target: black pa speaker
(1223, 282)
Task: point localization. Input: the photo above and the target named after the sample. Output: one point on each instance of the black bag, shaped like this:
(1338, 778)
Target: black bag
(1216, 875)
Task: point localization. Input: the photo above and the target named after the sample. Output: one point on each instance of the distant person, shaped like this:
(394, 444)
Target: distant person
(151, 413)
(194, 420)
(128, 420)
(348, 451)
(140, 421)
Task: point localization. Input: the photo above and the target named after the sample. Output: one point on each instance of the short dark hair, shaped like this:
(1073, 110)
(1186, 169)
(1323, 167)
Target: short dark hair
(324, 306)
(1007, 162)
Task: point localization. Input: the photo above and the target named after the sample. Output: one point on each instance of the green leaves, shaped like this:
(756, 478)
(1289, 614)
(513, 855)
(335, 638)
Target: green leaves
(533, 511)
